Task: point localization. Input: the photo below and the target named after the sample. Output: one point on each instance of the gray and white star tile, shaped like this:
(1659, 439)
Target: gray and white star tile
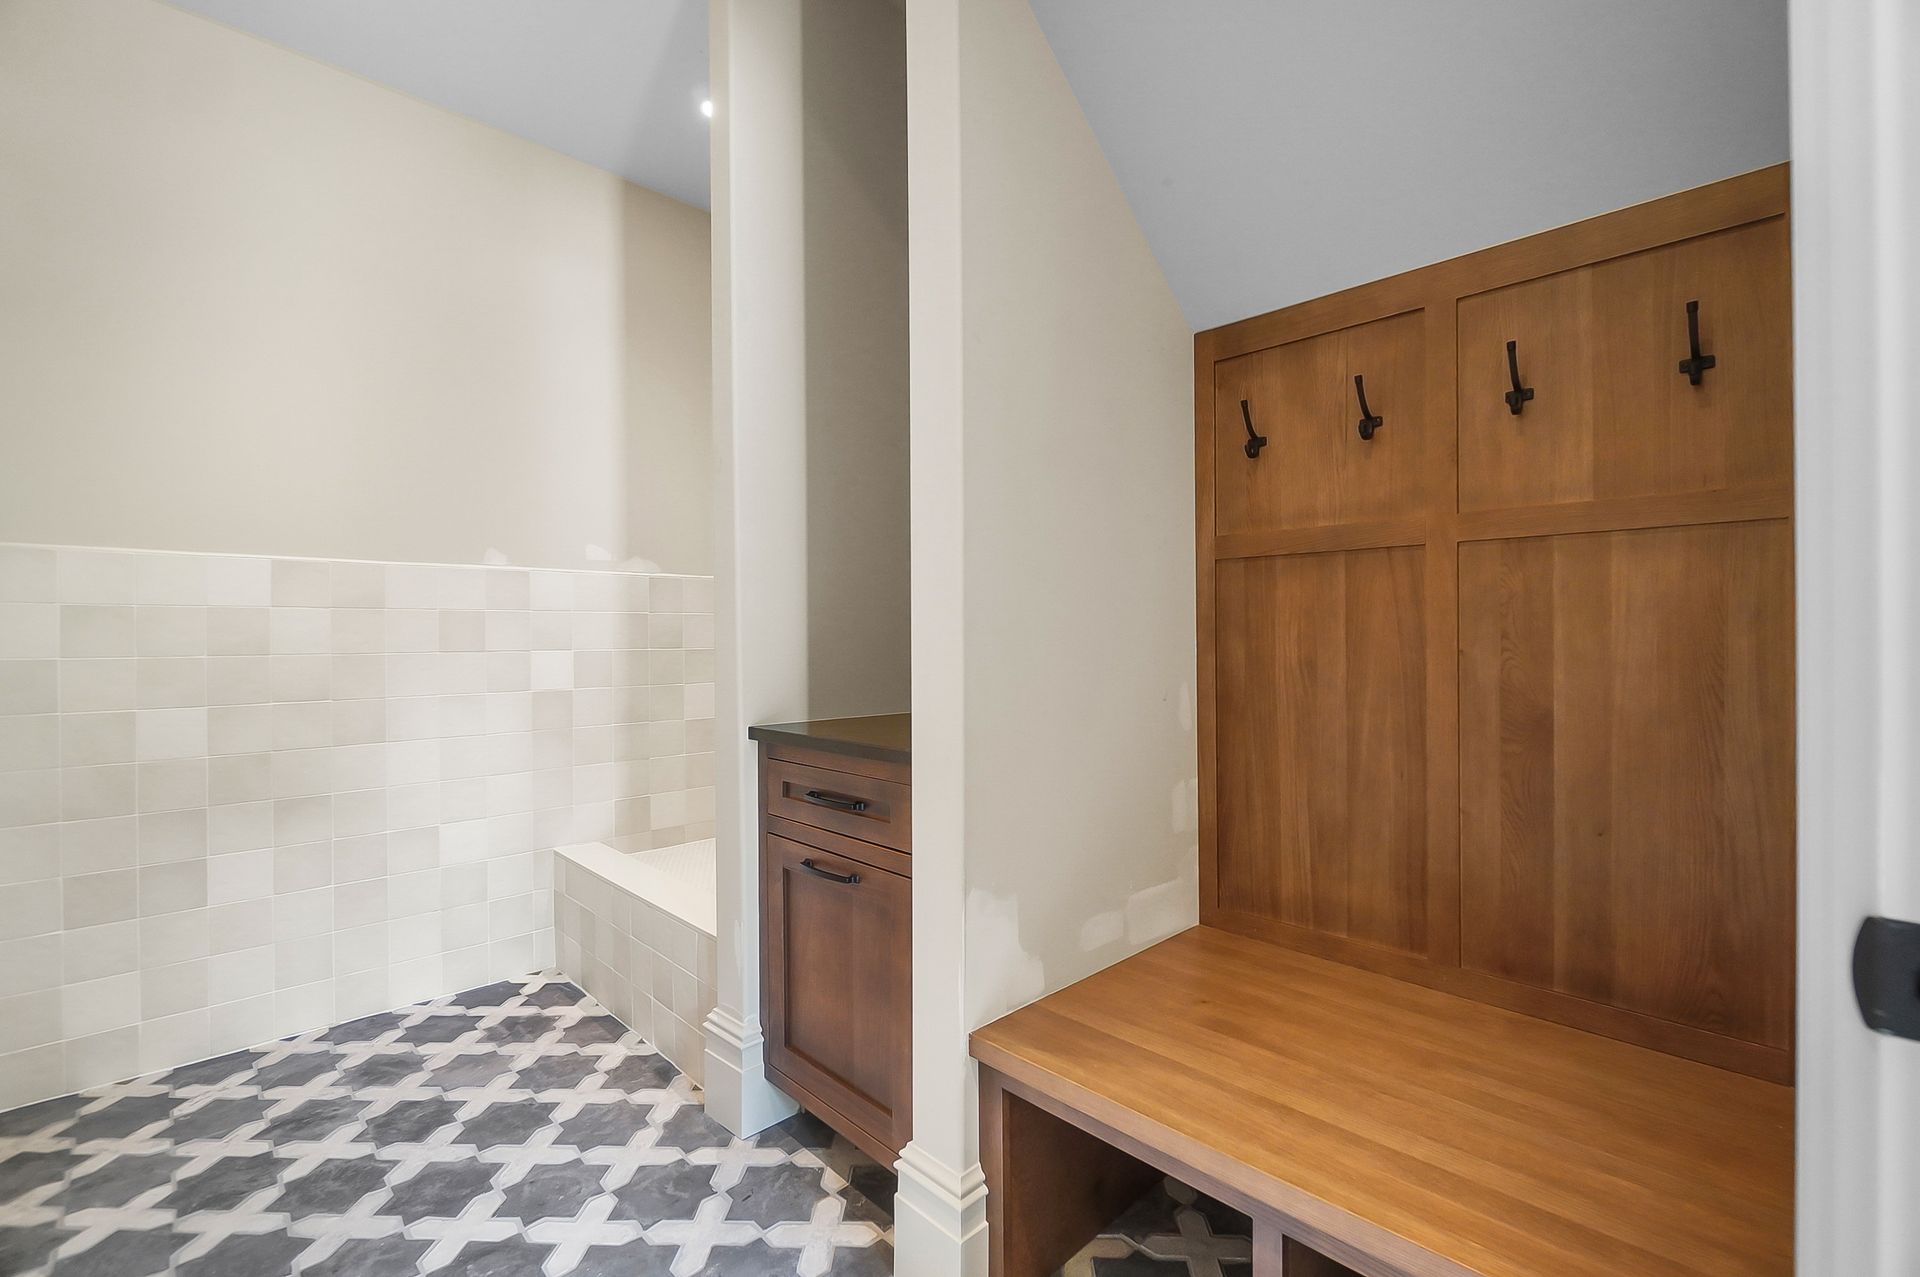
(513, 1128)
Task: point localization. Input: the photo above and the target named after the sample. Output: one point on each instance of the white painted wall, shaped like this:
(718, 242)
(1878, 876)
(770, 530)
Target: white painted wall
(809, 428)
(1054, 755)
(1277, 152)
(249, 303)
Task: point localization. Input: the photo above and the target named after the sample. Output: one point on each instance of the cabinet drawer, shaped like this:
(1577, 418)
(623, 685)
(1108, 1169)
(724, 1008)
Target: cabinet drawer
(864, 807)
(1613, 414)
(839, 988)
(1316, 469)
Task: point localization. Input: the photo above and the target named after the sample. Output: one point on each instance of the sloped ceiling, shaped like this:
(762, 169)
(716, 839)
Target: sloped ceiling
(1276, 150)
(616, 83)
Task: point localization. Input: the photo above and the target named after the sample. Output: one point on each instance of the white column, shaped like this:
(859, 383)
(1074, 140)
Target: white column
(1856, 175)
(760, 537)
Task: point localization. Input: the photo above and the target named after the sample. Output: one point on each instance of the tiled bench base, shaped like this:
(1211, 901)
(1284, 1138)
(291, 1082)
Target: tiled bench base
(652, 969)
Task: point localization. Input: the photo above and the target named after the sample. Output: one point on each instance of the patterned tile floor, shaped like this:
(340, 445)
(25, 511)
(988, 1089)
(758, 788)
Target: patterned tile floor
(1173, 1231)
(514, 1129)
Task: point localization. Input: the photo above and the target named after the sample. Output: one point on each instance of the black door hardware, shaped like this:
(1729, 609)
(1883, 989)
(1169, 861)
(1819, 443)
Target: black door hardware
(1886, 976)
(840, 801)
(1518, 396)
(848, 879)
(1368, 422)
(1255, 441)
(1696, 364)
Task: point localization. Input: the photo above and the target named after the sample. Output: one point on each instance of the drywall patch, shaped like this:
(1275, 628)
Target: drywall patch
(1102, 930)
(1166, 908)
(1001, 974)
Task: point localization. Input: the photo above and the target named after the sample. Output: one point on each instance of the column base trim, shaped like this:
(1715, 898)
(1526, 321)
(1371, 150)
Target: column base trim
(940, 1217)
(739, 1095)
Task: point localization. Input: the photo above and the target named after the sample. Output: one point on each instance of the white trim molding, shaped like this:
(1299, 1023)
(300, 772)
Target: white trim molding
(1856, 172)
(739, 1096)
(940, 1217)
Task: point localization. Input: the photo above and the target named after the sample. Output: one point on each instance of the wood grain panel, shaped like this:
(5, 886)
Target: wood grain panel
(1612, 415)
(1316, 469)
(1320, 744)
(1405, 1131)
(838, 988)
(1626, 762)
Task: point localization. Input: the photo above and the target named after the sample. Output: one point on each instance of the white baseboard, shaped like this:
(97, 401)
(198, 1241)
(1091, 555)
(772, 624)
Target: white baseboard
(939, 1217)
(739, 1096)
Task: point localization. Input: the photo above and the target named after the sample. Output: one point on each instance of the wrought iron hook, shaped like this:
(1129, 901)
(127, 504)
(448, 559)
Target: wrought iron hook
(1519, 395)
(1255, 441)
(1368, 422)
(1696, 364)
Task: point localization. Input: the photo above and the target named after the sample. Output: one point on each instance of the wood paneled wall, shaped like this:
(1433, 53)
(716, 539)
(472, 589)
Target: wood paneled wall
(1503, 702)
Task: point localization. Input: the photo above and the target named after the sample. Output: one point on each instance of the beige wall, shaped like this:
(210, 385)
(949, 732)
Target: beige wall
(854, 86)
(249, 303)
(1053, 636)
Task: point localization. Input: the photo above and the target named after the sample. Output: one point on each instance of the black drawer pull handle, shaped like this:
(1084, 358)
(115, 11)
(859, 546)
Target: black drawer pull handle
(840, 801)
(851, 880)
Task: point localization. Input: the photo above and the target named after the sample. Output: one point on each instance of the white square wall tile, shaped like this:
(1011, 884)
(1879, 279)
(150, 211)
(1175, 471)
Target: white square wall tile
(93, 953)
(171, 631)
(33, 687)
(95, 576)
(29, 854)
(97, 1006)
(170, 733)
(29, 798)
(101, 1058)
(302, 583)
(171, 682)
(27, 574)
(90, 631)
(29, 743)
(170, 579)
(239, 582)
(29, 631)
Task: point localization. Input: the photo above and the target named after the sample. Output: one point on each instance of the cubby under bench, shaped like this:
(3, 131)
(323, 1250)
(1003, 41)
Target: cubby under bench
(1371, 1125)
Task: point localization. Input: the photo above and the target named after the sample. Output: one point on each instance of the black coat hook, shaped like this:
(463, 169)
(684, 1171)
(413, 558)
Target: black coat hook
(1518, 396)
(1696, 364)
(1255, 441)
(1368, 422)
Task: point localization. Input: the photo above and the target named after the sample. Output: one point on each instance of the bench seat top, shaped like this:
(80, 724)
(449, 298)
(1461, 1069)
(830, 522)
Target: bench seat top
(1430, 1133)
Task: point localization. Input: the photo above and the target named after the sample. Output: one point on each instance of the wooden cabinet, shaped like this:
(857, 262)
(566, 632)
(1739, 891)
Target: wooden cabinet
(1503, 703)
(838, 1017)
(836, 910)
(1316, 467)
(1612, 414)
(1626, 770)
(1322, 690)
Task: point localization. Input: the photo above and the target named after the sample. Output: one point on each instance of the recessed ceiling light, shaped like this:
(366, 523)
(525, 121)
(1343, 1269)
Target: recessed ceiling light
(706, 108)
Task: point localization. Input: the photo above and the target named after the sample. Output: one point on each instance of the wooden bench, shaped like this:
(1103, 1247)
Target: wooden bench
(1399, 1131)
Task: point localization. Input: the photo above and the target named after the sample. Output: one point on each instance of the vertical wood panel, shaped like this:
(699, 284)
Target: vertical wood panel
(1321, 744)
(1626, 755)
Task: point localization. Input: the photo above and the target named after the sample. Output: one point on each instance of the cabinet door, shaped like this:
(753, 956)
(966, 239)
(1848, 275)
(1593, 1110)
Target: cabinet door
(1626, 770)
(1316, 469)
(838, 996)
(1320, 740)
(1612, 413)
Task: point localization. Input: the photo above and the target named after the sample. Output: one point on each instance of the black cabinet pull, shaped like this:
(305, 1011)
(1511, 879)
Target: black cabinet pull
(1696, 364)
(839, 802)
(1518, 396)
(1255, 441)
(846, 879)
(1368, 422)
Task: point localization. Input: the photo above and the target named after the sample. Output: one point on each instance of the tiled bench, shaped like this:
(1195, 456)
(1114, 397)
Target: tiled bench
(636, 931)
